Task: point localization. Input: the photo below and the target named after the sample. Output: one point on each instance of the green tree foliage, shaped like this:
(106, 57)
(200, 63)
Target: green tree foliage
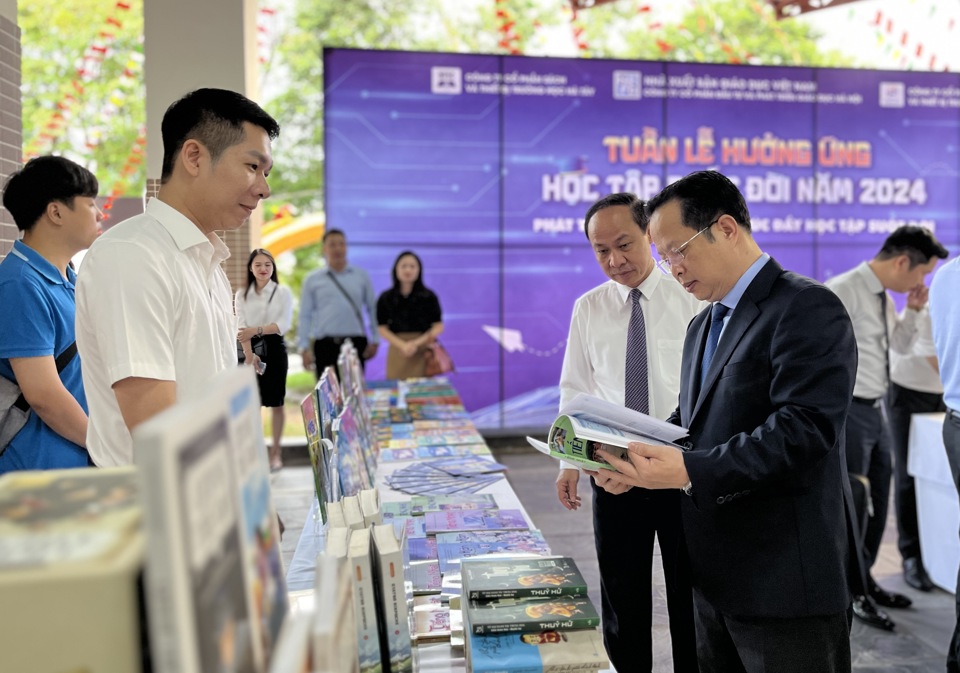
(103, 108)
(710, 31)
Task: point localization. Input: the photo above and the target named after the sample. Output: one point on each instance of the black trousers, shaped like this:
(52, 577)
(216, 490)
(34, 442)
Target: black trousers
(901, 404)
(951, 442)
(624, 528)
(731, 644)
(868, 454)
(327, 349)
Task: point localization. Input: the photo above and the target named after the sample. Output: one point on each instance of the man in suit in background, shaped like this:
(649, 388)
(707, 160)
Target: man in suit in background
(633, 323)
(768, 378)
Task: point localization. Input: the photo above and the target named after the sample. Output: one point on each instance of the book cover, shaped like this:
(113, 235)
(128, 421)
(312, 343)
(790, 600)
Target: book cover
(421, 504)
(458, 520)
(394, 509)
(331, 470)
(422, 549)
(72, 550)
(527, 615)
(364, 603)
(311, 425)
(425, 577)
(451, 555)
(260, 533)
(431, 623)
(522, 578)
(329, 401)
(198, 613)
(334, 633)
(461, 465)
(353, 469)
(545, 652)
(396, 648)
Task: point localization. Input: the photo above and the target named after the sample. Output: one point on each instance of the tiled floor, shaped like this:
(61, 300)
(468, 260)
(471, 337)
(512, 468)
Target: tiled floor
(918, 645)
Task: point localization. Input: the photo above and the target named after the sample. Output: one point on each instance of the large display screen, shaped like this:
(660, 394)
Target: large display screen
(485, 165)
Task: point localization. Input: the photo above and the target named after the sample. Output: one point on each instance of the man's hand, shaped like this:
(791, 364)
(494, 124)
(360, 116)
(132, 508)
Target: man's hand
(370, 351)
(648, 466)
(609, 485)
(307, 356)
(917, 297)
(567, 488)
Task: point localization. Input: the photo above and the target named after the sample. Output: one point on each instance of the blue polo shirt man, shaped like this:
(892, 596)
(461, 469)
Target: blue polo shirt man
(52, 200)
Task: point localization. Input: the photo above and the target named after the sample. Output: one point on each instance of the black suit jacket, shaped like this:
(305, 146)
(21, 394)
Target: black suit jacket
(765, 525)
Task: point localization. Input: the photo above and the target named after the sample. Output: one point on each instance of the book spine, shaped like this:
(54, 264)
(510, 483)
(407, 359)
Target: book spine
(395, 613)
(366, 613)
(523, 592)
(533, 627)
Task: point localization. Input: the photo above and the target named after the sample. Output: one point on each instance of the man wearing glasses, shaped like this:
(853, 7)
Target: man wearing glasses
(768, 375)
(639, 314)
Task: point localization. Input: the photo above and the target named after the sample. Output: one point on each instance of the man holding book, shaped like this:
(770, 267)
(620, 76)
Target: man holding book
(624, 347)
(767, 381)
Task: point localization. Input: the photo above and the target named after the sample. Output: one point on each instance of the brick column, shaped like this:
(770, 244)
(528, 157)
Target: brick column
(11, 115)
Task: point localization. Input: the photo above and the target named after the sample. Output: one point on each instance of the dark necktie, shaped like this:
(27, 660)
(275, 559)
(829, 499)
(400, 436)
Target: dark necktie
(636, 393)
(716, 324)
(886, 338)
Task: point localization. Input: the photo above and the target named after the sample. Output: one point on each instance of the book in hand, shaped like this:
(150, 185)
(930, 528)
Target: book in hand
(579, 651)
(533, 577)
(531, 615)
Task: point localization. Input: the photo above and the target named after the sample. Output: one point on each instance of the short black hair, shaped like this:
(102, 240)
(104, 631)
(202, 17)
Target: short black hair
(618, 199)
(704, 196)
(327, 233)
(29, 191)
(214, 117)
(917, 243)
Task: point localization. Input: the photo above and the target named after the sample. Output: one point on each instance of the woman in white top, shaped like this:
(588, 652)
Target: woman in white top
(264, 314)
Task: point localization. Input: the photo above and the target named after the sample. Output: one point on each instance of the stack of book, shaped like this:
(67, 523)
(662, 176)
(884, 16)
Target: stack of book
(529, 614)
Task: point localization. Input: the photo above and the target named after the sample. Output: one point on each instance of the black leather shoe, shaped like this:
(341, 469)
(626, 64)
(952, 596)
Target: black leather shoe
(915, 575)
(867, 612)
(888, 599)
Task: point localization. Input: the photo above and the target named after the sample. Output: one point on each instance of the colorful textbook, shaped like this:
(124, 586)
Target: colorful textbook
(545, 577)
(215, 591)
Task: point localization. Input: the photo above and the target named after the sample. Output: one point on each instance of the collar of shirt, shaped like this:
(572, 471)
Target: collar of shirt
(185, 233)
(732, 298)
(869, 278)
(647, 287)
(42, 266)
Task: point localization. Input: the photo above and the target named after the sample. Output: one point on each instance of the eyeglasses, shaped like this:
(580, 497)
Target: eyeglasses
(675, 256)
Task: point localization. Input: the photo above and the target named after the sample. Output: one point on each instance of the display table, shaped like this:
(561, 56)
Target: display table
(938, 507)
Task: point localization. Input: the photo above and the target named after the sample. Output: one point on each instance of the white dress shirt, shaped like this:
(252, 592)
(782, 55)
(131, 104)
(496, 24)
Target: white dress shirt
(595, 359)
(914, 370)
(152, 302)
(257, 309)
(859, 290)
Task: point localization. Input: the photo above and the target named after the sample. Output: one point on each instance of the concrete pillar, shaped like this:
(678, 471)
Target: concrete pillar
(11, 112)
(189, 44)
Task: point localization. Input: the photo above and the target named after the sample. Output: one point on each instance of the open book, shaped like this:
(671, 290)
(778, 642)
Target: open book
(586, 422)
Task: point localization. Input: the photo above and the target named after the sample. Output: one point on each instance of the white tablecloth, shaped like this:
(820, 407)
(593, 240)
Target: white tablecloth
(938, 507)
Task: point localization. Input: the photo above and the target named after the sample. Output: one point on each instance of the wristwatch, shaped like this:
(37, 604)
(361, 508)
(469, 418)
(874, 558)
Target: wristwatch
(688, 488)
(260, 330)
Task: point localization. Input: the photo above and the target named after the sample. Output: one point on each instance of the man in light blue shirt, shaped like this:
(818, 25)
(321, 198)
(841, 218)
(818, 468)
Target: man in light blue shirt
(945, 313)
(53, 202)
(330, 308)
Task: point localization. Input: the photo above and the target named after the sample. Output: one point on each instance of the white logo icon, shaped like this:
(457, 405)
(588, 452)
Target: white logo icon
(626, 85)
(446, 80)
(892, 94)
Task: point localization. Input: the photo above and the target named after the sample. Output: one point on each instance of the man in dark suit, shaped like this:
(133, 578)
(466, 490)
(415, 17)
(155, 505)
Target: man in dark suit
(768, 379)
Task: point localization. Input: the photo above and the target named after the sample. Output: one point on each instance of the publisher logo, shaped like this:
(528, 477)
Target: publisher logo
(446, 80)
(626, 85)
(892, 94)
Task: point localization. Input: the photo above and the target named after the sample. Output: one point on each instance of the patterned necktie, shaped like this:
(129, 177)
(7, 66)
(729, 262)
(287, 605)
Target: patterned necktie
(716, 324)
(636, 391)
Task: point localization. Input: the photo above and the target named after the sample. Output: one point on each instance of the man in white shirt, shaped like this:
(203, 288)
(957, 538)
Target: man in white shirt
(155, 317)
(915, 388)
(905, 258)
(626, 520)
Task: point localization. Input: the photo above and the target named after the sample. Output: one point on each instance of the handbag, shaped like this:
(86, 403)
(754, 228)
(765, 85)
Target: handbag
(257, 343)
(438, 360)
(14, 409)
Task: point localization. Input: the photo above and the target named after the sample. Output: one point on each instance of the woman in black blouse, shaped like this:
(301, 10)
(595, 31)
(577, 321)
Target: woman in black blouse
(409, 318)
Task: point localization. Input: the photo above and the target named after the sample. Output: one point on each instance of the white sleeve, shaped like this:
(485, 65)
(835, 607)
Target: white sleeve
(285, 319)
(240, 302)
(576, 376)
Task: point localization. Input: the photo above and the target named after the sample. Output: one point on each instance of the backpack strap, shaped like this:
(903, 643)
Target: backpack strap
(62, 361)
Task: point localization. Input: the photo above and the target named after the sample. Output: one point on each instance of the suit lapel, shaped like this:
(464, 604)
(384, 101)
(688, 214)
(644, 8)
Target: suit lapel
(743, 316)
